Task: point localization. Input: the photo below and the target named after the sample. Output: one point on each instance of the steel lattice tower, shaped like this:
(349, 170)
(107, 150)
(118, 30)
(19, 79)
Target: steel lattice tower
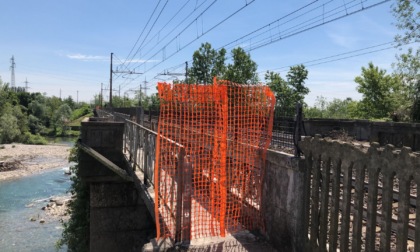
(12, 68)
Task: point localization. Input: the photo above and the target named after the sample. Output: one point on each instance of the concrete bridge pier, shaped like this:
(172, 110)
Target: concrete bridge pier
(119, 218)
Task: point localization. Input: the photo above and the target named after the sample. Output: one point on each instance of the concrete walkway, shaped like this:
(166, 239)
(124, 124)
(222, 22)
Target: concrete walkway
(240, 242)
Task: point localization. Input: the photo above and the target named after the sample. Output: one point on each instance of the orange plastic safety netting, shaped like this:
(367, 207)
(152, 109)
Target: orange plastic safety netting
(210, 156)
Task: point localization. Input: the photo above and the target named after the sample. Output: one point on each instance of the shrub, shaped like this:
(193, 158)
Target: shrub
(76, 231)
(37, 139)
(77, 113)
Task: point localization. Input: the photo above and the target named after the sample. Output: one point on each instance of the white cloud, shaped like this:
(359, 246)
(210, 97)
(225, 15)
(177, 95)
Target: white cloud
(83, 57)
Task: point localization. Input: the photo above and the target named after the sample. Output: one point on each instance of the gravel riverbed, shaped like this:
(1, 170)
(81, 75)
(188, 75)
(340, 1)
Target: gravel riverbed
(24, 160)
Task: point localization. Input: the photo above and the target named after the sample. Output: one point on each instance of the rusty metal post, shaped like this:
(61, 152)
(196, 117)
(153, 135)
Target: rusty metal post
(186, 201)
(297, 134)
(145, 157)
(179, 186)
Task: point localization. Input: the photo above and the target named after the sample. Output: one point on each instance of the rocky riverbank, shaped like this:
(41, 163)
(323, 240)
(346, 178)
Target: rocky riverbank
(18, 160)
(54, 209)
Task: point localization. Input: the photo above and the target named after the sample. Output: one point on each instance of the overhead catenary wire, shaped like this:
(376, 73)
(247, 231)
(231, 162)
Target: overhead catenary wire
(304, 26)
(157, 34)
(293, 12)
(327, 16)
(145, 37)
(204, 33)
(172, 30)
(141, 33)
(331, 57)
(260, 31)
(182, 31)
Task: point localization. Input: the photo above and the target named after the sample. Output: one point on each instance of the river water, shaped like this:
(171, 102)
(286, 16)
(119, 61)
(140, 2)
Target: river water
(23, 198)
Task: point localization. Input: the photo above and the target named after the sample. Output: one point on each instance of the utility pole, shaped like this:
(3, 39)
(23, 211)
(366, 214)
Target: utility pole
(26, 85)
(143, 88)
(178, 74)
(60, 93)
(186, 71)
(110, 83)
(77, 99)
(110, 80)
(100, 98)
(12, 68)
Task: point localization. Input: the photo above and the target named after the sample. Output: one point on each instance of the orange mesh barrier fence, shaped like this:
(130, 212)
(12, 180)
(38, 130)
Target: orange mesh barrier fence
(210, 157)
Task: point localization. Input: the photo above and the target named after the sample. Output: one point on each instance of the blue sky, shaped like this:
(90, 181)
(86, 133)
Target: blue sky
(67, 44)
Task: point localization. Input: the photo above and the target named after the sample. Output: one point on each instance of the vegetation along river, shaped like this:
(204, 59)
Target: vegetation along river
(21, 214)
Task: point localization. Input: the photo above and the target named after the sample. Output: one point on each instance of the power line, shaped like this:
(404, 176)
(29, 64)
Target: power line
(176, 25)
(182, 31)
(237, 41)
(336, 55)
(163, 49)
(141, 34)
(268, 25)
(352, 56)
(170, 20)
(319, 22)
(145, 37)
(204, 33)
(324, 18)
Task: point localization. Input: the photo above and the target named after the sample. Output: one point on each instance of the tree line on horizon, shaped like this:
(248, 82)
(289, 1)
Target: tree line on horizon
(30, 117)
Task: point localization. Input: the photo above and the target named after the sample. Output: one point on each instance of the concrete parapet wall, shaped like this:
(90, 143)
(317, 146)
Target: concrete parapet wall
(355, 190)
(106, 137)
(396, 133)
(284, 201)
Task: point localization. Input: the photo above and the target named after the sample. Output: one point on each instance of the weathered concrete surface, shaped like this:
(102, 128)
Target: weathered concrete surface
(119, 219)
(284, 201)
(106, 137)
(240, 242)
(396, 133)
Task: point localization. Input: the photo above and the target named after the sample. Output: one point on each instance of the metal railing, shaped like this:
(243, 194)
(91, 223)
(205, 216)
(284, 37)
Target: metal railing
(287, 131)
(139, 144)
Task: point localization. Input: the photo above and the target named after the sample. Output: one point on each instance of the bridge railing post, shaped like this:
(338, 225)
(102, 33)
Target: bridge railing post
(186, 199)
(145, 158)
(179, 182)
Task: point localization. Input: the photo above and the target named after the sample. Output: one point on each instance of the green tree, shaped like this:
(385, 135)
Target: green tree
(290, 91)
(243, 69)
(378, 90)
(9, 128)
(117, 101)
(61, 117)
(38, 109)
(69, 101)
(24, 98)
(7, 96)
(341, 109)
(154, 102)
(407, 14)
(22, 119)
(207, 63)
(35, 125)
(53, 103)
